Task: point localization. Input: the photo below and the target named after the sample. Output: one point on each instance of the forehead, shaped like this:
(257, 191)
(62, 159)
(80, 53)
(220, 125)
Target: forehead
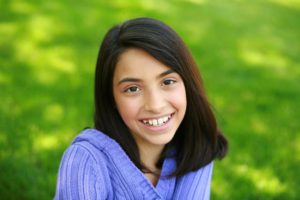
(136, 62)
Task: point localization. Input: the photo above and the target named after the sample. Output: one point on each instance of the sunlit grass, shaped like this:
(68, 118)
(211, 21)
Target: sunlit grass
(263, 179)
(247, 51)
(288, 3)
(261, 55)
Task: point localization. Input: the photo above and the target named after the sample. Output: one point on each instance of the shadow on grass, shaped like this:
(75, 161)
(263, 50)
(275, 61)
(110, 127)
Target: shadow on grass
(248, 55)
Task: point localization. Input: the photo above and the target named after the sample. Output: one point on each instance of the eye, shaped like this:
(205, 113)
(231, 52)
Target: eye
(132, 89)
(169, 82)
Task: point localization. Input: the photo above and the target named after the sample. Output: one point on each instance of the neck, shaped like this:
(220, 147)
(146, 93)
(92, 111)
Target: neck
(150, 156)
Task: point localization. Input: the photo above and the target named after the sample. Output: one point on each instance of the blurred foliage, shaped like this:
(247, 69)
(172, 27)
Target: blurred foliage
(248, 54)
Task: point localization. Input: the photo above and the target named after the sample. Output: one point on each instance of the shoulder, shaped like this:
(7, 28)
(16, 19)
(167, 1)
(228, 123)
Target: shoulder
(91, 147)
(95, 138)
(83, 171)
(203, 174)
(195, 184)
(83, 152)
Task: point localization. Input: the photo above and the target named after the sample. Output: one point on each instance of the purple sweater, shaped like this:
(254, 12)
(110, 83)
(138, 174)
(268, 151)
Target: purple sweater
(96, 167)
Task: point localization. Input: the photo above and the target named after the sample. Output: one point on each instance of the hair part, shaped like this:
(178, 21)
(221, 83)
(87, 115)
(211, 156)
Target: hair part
(198, 140)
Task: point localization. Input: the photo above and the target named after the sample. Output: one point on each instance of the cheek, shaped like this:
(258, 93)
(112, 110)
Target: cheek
(128, 109)
(178, 99)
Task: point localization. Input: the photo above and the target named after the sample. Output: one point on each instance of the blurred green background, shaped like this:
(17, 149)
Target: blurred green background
(248, 52)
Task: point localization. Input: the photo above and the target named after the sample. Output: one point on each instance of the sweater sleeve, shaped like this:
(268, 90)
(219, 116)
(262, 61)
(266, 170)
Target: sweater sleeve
(79, 176)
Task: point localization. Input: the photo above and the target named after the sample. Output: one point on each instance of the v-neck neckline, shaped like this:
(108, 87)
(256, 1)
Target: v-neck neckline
(138, 178)
(128, 171)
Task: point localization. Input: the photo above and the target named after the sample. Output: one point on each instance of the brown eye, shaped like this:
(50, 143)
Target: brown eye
(169, 82)
(132, 89)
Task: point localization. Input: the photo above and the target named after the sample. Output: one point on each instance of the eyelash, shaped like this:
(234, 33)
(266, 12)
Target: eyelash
(128, 90)
(169, 80)
(166, 82)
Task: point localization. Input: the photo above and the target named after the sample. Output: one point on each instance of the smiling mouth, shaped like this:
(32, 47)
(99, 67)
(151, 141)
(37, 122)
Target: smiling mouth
(157, 122)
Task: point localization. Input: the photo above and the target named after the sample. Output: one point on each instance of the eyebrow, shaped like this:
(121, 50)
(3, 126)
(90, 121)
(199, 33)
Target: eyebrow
(128, 79)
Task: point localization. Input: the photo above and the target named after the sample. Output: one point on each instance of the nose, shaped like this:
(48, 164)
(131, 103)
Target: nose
(154, 101)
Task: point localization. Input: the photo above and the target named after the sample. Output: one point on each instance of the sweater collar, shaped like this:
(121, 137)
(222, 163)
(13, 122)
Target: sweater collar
(118, 159)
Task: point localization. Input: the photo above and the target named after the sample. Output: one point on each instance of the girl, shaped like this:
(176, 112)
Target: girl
(155, 135)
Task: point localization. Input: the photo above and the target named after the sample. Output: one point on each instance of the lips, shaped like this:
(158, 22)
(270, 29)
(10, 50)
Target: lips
(156, 122)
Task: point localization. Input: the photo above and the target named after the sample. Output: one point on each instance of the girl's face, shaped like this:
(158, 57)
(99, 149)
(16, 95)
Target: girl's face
(150, 98)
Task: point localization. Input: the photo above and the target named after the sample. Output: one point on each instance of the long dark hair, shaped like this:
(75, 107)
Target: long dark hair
(198, 140)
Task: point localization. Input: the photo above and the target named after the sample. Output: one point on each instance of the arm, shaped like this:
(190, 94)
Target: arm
(79, 176)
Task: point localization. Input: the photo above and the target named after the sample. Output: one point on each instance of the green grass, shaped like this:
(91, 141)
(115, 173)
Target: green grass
(248, 54)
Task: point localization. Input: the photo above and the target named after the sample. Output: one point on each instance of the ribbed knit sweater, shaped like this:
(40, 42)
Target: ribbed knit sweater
(96, 167)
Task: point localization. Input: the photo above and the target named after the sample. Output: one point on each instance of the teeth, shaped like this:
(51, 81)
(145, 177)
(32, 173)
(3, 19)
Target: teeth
(160, 121)
(150, 122)
(165, 119)
(157, 122)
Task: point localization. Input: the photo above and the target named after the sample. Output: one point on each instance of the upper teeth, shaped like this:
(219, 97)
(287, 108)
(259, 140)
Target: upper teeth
(157, 122)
